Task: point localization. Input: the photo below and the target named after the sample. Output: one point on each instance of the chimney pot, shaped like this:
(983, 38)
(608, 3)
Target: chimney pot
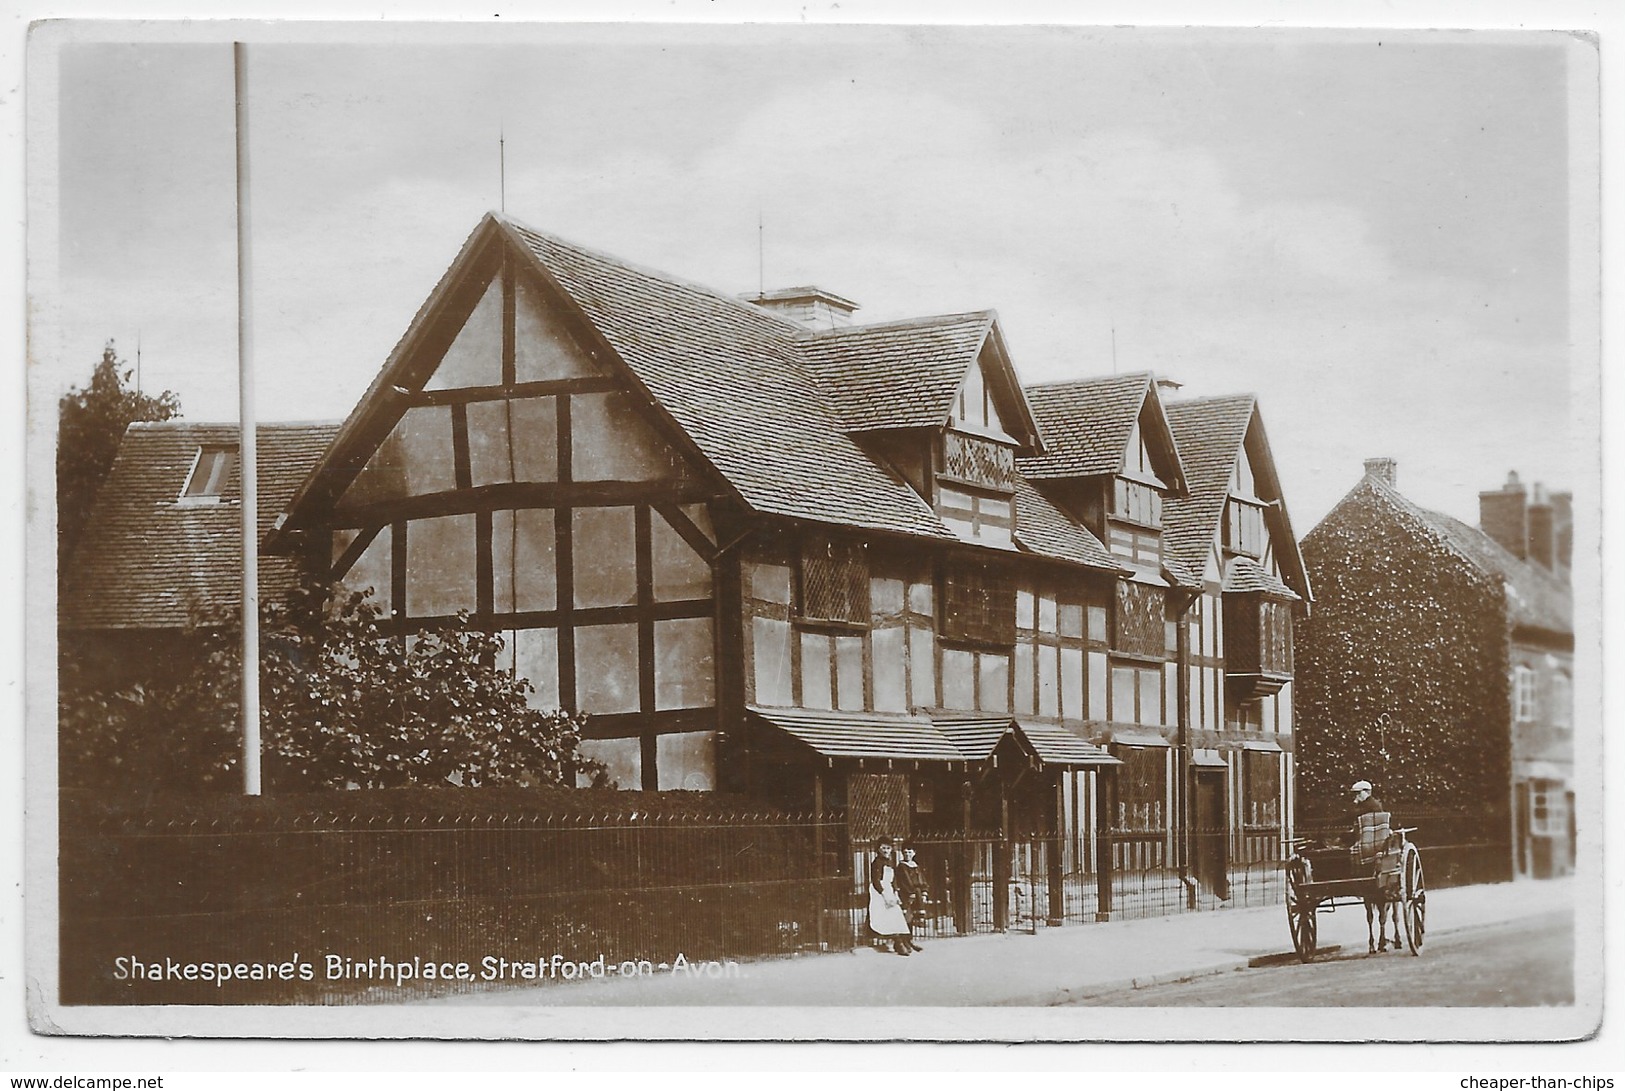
(1385, 470)
(807, 306)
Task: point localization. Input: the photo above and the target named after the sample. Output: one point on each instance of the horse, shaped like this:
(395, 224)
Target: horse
(1373, 849)
(1379, 904)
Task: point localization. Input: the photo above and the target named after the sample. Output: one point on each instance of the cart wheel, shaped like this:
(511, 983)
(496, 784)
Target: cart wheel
(1300, 918)
(1416, 900)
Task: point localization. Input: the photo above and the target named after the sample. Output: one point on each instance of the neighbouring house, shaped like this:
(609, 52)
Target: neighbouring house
(1438, 664)
(162, 551)
(843, 567)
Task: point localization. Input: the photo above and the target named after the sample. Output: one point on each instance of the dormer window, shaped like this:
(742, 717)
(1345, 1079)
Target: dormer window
(206, 484)
(976, 469)
(1244, 527)
(1138, 503)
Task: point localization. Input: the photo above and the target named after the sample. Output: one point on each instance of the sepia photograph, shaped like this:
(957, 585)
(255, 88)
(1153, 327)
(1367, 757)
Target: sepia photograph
(927, 532)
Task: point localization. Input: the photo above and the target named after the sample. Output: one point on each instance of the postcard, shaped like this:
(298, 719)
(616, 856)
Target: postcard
(910, 532)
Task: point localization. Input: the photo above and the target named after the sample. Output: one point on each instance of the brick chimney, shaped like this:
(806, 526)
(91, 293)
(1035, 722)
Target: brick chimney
(808, 306)
(1385, 470)
(1504, 516)
(1542, 529)
(1563, 528)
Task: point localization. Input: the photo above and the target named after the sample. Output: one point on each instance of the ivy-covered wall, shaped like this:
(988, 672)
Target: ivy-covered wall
(1402, 673)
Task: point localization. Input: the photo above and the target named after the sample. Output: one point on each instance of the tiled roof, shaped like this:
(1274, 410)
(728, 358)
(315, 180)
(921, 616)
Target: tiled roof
(1536, 598)
(1210, 432)
(1086, 424)
(1245, 574)
(147, 561)
(897, 375)
(1042, 529)
(862, 734)
(976, 737)
(1055, 745)
(731, 376)
(763, 402)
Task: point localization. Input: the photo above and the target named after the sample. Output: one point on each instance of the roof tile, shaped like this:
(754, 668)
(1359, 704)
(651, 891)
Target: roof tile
(1086, 424)
(147, 561)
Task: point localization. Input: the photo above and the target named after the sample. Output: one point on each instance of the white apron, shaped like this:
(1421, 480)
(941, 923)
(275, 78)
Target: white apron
(886, 920)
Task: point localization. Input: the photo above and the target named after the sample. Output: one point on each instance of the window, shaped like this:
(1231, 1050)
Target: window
(1275, 637)
(835, 582)
(1134, 530)
(1244, 528)
(1138, 502)
(1523, 694)
(1261, 787)
(207, 482)
(1141, 625)
(978, 606)
(1548, 809)
(1141, 788)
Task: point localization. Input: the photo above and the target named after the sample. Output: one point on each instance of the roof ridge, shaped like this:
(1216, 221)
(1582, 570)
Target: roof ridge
(1212, 399)
(1066, 384)
(706, 290)
(921, 322)
(182, 424)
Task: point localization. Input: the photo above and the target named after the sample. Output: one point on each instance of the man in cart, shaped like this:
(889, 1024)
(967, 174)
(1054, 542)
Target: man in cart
(1364, 801)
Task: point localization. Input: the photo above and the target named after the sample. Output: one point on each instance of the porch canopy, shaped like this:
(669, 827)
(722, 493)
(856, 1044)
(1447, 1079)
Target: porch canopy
(1055, 745)
(862, 736)
(954, 740)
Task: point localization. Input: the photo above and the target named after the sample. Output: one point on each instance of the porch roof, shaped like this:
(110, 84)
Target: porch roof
(862, 734)
(1055, 745)
(976, 737)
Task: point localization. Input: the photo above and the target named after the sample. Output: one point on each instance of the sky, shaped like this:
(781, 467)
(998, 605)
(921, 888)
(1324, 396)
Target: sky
(1371, 233)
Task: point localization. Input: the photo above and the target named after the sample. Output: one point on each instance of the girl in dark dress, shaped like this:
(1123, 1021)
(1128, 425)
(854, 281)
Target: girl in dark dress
(886, 918)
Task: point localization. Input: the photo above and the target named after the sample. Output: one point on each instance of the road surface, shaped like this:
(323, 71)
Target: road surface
(1523, 963)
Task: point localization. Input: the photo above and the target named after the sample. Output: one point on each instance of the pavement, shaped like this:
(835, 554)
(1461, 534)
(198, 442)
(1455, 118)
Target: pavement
(1054, 966)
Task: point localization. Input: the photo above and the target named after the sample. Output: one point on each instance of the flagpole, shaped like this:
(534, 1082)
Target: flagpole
(248, 454)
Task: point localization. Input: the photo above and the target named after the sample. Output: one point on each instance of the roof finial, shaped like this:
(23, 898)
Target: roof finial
(1111, 314)
(502, 170)
(761, 255)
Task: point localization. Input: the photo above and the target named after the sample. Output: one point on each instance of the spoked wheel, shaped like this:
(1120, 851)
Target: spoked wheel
(1415, 903)
(1300, 918)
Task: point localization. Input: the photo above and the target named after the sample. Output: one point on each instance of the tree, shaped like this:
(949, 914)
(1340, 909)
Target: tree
(91, 424)
(343, 704)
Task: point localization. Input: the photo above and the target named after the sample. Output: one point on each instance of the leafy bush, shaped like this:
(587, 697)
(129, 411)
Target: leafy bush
(344, 703)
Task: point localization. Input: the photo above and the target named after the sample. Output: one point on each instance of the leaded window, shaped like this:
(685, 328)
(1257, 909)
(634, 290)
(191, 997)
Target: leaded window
(1142, 789)
(835, 582)
(978, 606)
(1141, 622)
(1261, 787)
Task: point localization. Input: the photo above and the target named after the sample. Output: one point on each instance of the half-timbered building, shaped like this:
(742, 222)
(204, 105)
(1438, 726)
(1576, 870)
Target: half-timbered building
(1231, 537)
(851, 568)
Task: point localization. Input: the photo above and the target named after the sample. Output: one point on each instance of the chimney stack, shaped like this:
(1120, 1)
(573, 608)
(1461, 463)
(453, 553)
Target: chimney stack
(1385, 470)
(1563, 528)
(1542, 529)
(1504, 515)
(807, 306)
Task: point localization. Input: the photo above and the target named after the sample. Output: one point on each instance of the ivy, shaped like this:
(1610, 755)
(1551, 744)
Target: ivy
(1402, 669)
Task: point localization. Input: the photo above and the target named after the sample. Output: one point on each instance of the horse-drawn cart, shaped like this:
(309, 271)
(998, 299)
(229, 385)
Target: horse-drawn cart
(1382, 870)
